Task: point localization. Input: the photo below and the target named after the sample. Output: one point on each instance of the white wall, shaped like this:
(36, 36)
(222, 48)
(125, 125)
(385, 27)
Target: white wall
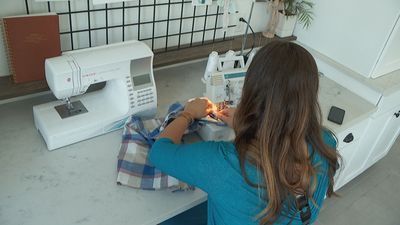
(79, 21)
(353, 33)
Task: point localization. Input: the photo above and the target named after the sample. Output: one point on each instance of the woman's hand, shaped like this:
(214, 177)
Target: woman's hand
(226, 115)
(196, 109)
(199, 107)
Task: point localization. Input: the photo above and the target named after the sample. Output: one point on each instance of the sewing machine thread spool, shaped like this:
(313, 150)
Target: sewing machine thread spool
(212, 65)
(229, 64)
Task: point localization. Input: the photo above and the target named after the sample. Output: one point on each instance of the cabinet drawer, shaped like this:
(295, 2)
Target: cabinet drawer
(351, 134)
(347, 154)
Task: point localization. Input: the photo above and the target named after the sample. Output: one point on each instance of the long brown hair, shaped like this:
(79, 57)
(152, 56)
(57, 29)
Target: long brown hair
(277, 117)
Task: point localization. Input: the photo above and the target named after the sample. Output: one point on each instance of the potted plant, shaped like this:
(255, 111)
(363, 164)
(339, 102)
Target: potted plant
(285, 13)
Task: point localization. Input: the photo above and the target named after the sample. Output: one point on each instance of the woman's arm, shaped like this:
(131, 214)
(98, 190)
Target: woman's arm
(195, 109)
(191, 163)
(175, 129)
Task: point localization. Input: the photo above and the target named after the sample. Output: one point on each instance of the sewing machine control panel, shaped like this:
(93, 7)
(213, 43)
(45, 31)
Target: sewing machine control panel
(141, 90)
(141, 97)
(141, 86)
(145, 96)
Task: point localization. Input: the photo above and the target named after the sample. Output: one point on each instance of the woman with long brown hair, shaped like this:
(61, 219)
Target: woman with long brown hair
(282, 162)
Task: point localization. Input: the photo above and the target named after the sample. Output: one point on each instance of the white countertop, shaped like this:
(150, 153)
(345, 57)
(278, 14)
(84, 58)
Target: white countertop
(356, 108)
(77, 184)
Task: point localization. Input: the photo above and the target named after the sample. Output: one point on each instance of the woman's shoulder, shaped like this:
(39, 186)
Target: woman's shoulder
(227, 152)
(226, 148)
(329, 138)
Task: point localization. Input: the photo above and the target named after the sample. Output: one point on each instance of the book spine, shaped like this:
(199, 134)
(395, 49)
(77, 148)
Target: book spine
(9, 52)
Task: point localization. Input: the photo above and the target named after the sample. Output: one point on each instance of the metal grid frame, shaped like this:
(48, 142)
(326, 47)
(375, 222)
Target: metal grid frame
(108, 8)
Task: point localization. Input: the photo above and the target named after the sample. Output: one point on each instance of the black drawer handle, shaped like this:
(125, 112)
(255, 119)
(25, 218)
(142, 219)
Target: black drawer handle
(349, 138)
(397, 114)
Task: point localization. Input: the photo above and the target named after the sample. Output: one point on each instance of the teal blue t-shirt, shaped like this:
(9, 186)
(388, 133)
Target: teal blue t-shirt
(214, 167)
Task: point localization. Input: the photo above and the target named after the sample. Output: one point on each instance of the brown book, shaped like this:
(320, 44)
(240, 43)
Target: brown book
(30, 39)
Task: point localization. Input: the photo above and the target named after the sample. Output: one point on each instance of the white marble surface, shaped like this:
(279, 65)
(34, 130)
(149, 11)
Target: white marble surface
(76, 184)
(356, 108)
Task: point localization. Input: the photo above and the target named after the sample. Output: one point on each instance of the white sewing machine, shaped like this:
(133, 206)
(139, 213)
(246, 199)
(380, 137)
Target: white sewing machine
(224, 84)
(127, 69)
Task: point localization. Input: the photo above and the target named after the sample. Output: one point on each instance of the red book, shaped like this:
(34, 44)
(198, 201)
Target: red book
(30, 39)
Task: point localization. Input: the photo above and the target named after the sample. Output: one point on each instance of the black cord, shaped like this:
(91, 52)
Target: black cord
(241, 19)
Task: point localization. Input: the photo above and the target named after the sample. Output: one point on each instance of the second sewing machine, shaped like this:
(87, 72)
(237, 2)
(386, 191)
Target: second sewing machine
(224, 78)
(127, 69)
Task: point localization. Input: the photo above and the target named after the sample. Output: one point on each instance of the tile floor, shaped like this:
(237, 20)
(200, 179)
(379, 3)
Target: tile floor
(371, 198)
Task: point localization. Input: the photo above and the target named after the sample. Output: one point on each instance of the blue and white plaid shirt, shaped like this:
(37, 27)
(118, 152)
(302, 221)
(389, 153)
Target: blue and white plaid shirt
(134, 168)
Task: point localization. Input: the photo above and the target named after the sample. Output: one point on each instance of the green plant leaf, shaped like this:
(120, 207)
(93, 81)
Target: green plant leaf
(303, 9)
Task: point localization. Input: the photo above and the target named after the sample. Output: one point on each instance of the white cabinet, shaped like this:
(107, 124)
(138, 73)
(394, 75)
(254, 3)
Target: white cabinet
(362, 35)
(352, 156)
(347, 154)
(389, 59)
(373, 138)
(390, 123)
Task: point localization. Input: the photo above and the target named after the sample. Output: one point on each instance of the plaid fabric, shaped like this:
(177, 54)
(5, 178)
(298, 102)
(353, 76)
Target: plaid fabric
(134, 168)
